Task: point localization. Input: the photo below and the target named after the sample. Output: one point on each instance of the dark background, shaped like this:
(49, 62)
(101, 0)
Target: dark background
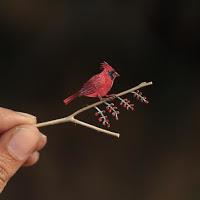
(49, 48)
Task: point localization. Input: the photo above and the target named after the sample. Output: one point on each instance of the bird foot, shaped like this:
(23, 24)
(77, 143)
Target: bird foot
(111, 97)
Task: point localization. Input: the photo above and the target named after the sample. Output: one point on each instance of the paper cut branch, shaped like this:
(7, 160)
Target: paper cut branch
(111, 108)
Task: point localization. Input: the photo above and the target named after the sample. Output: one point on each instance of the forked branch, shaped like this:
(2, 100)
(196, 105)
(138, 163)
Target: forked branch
(71, 118)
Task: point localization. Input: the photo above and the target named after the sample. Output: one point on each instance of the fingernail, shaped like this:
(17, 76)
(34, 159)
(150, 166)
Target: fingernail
(44, 138)
(36, 156)
(27, 115)
(22, 143)
(42, 142)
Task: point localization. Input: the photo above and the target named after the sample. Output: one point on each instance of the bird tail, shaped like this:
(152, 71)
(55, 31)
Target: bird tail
(70, 98)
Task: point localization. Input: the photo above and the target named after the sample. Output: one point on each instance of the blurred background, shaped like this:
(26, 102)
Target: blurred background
(50, 48)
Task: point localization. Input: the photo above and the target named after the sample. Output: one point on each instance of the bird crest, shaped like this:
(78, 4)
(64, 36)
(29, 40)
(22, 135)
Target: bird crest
(105, 66)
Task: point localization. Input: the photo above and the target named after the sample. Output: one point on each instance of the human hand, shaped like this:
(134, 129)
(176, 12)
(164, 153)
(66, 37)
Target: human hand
(20, 142)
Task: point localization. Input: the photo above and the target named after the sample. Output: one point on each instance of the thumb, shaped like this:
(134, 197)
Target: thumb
(16, 146)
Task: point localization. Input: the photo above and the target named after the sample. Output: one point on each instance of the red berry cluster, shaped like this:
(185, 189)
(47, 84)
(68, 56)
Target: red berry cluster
(126, 103)
(139, 96)
(113, 109)
(102, 117)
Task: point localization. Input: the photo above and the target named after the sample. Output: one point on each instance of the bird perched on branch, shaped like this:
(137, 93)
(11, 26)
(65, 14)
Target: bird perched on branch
(97, 86)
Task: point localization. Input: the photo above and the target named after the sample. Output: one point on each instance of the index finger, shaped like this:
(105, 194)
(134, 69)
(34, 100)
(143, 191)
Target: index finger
(10, 118)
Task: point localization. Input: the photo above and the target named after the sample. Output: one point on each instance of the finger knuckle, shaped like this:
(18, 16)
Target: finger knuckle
(3, 111)
(4, 172)
(4, 176)
(1, 108)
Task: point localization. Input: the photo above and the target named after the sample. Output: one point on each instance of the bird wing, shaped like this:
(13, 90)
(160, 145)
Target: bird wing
(92, 85)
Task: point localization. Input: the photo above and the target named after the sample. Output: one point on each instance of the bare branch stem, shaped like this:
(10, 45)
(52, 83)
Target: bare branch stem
(71, 118)
(95, 128)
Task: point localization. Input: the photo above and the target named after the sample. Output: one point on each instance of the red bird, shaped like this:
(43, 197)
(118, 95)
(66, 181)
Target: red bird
(97, 86)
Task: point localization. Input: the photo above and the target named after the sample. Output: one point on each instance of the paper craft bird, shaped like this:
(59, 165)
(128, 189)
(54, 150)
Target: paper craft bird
(97, 86)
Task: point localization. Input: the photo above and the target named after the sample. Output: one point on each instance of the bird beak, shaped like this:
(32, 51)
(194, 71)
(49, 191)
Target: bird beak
(116, 74)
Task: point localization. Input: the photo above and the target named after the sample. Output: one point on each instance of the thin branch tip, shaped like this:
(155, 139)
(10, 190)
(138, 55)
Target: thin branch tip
(151, 82)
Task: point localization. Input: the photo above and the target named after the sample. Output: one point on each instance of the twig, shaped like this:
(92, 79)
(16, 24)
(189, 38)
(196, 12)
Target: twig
(139, 97)
(126, 103)
(103, 118)
(112, 109)
(71, 118)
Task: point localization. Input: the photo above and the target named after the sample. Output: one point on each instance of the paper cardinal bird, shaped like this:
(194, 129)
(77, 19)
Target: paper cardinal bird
(97, 86)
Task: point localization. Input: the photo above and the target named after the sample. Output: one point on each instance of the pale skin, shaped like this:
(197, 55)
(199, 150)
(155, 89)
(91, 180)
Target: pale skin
(20, 143)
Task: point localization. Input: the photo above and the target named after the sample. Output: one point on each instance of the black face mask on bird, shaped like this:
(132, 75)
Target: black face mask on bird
(113, 74)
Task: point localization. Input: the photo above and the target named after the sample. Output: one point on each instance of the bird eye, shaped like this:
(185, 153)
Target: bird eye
(110, 73)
